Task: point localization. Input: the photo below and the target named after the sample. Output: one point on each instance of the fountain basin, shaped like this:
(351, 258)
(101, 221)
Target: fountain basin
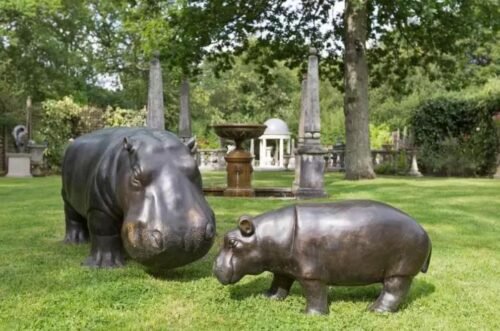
(239, 132)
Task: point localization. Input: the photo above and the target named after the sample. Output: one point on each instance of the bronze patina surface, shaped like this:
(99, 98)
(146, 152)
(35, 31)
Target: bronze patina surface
(139, 191)
(353, 242)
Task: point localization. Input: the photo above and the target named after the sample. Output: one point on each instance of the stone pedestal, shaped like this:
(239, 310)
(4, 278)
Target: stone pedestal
(239, 174)
(19, 165)
(312, 165)
(36, 152)
(296, 180)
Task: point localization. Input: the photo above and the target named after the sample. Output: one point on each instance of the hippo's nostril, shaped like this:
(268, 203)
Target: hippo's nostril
(209, 231)
(156, 239)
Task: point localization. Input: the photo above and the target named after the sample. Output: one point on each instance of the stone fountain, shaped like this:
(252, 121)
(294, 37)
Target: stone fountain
(239, 161)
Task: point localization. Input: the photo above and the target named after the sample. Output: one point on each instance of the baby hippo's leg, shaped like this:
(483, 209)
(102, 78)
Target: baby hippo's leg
(394, 292)
(316, 293)
(279, 287)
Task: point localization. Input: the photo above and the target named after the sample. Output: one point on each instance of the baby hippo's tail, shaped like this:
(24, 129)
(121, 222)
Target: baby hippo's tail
(427, 262)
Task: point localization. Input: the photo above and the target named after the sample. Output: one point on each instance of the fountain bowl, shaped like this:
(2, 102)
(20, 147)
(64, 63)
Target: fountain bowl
(239, 132)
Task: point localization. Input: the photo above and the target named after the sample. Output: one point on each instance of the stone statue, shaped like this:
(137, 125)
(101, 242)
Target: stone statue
(353, 242)
(137, 190)
(20, 135)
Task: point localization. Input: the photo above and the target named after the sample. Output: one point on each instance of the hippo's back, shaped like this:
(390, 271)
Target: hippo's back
(364, 241)
(81, 164)
(86, 151)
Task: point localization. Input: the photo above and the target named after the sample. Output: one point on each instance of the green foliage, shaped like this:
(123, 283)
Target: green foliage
(332, 114)
(240, 96)
(63, 120)
(457, 136)
(385, 168)
(402, 162)
(46, 47)
(44, 287)
(441, 36)
(399, 166)
(124, 117)
(394, 109)
(380, 135)
(451, 158)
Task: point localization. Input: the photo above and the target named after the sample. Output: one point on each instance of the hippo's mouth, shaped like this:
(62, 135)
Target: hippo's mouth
(226, 275)
(167, 250)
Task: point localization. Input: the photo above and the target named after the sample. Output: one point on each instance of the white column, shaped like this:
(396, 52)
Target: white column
(288, 146)
(282, 158)
(252, 151)
(263, 161)
(261, 152)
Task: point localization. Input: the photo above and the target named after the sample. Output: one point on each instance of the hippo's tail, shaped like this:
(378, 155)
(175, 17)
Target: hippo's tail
(427, 262)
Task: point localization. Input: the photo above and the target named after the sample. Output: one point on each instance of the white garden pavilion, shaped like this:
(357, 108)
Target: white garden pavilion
(274, 144)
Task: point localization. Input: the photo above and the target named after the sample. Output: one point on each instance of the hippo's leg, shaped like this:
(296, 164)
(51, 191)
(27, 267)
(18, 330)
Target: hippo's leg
(77, 231)
(394, 292)
(106, 242)
(279, 287)
(316, 293)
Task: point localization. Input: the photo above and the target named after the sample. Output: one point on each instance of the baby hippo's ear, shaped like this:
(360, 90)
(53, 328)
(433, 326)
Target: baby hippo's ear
(246, 226)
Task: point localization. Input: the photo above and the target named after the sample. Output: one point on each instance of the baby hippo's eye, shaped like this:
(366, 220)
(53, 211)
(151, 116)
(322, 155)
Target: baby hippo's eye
(232, 243)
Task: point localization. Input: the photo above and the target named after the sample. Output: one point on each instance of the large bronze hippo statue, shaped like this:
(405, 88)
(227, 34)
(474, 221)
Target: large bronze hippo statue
(353, 242)
(136, 190)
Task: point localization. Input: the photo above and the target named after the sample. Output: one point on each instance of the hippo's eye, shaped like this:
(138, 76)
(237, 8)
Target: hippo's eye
(136, 174)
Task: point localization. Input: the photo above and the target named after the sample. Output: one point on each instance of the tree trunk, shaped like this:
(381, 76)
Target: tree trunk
(358, 162)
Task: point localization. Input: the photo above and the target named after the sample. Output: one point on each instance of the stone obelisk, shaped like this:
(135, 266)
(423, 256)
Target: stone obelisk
(185, 133)
(300, 136)
(311, 153)
(155, 118)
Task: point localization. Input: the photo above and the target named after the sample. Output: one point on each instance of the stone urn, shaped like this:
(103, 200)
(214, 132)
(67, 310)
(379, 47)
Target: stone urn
(36, 155)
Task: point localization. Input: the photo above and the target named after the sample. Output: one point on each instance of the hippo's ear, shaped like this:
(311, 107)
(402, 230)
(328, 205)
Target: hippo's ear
(246, 226)
(127, 144)
(191, 144)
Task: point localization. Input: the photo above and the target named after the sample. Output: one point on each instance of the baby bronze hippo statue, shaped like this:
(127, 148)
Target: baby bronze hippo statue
(136, 191)
(354, 242)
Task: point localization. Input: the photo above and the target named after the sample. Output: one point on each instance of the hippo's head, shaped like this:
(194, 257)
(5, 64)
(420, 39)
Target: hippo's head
(167, 221)
(240, 254)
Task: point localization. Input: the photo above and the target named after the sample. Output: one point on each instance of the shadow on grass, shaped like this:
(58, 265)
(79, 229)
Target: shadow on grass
(193, 271)
(419, 288)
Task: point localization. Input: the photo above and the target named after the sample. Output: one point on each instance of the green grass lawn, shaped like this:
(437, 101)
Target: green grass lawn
(43, 286)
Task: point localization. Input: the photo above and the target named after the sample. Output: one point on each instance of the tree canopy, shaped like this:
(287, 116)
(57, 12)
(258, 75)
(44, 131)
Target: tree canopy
(257, 51)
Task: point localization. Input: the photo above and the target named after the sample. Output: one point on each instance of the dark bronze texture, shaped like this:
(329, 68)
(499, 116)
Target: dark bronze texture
(353, 242)
(139, 191)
